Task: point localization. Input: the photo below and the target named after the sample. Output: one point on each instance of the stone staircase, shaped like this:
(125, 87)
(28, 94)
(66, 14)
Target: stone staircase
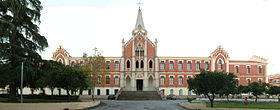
(139, 95)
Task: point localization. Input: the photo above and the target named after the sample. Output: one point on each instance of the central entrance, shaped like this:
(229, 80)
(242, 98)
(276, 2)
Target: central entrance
(139, 84)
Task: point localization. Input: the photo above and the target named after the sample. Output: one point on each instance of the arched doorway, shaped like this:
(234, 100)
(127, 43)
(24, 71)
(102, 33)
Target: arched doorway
(128, 83)
(150, 83)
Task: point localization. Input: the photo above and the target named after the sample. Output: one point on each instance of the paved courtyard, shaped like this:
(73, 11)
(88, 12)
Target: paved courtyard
(139, 105)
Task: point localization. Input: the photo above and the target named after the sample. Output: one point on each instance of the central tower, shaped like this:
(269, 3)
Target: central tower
(139, 68)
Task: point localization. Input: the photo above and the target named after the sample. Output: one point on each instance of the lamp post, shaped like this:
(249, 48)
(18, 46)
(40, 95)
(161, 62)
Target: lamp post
(21, 78)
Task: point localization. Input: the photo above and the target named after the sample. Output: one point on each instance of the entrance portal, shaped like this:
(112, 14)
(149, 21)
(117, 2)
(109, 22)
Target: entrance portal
(139, 84)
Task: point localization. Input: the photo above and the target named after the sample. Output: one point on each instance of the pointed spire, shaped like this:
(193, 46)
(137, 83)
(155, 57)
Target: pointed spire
(139, 21)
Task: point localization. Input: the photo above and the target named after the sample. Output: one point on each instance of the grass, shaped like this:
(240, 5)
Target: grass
(252, 106)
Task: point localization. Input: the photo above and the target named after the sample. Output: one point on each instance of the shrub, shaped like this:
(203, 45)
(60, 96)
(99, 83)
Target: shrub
(190, 99)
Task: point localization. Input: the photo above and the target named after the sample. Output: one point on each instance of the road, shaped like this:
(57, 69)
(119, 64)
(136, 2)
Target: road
(139, 105)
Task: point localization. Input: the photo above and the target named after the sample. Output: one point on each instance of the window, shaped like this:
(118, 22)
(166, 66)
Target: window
(137, 52)
(117, 65)
(248, 81)
(98, 91)
(260, 80)
(116, 80)
(107, 91)
(73, 64)
(180, 65)
(162, 65)
(141, 52)
(161, 80)
(171, 80)
(81, 63)
(220, 65)
(189, 92)
(189, 76)
(107, 79)
(60, 61)
(248, 69)
(260, 69)
(197, 65)
(171, 91)
(236, 69)
(180, 92)
(98, 79)
(189, 65)
(137, 64)
(108, 64)
(127, 64)
(142, 64)
(206, 66)
(171, 65)
(116, 91)
(180, 80)
(150, 64)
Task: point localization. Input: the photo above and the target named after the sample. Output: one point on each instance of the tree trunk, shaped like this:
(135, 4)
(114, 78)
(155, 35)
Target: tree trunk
(68, 95)
(52, 89)
(227, 98)
(279, 98)
(12, 95)
(256, 99)
(211, 100)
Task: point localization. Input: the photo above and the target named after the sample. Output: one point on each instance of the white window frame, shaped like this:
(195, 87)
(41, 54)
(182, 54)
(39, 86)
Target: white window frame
(162, 80)
(188, 65)
(180, 66)
(106, 79)
(171, 82)
(116, 81)
(171, 65)
(162, 66)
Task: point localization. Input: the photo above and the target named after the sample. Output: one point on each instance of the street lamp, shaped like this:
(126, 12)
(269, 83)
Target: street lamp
(21, 77)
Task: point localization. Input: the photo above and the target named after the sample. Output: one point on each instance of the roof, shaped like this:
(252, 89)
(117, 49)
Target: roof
(139, 22)
(242, 61)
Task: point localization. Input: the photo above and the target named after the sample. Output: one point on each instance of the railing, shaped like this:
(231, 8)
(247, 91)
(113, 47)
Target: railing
(160, 93)
(118, 94)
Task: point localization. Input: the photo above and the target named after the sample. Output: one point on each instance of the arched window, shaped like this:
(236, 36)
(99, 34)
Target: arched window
(116, 65)
(60, 61)
(181, 92)
(142, 64)
(180, 65)
(150, 64)
(161, 65)
(236, 69)
(127, 64)
(197, 65)
(171, 91)
(220, 64)
(248, 69)
(137, 64)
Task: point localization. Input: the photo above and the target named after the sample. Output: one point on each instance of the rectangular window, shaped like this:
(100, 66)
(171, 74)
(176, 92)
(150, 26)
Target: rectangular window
(236, 69)
(180, 66)
(107, 91)
(171, 80)
(248, 81)
(206, 66)
(98, 79)
(117, 65)
(162, 65)
(141, 52)
(98, 91)
(171, 65)
(248, 69)
(116, 80)
(108, 64)
(180, 80)
(259, 69)
(107, 79)
(189, 65)
(137, 52)
(189, 76)
(161, 80)
(197, 65)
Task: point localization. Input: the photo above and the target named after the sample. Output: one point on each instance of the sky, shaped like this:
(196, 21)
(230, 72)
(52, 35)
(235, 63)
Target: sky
(183, 28)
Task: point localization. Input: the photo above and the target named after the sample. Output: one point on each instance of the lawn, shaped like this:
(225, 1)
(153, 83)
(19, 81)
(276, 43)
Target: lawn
(253, 106)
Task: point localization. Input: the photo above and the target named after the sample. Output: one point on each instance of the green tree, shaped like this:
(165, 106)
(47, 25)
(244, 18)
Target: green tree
(95, 68)
(210, 83)
(274, 90)
(256, 89)
(19, 34)
(230, 86)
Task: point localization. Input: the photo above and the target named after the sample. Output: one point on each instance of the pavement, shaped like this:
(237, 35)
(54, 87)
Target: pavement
(48, 106)
(140, 105)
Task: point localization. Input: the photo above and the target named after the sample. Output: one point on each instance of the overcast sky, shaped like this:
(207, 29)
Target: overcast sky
(190, 28)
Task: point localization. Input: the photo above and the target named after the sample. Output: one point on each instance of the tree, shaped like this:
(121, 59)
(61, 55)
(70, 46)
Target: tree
(256, 89)
(210, 83)
(230, 86)
(19, 34)
(274, 90)
(95, 68)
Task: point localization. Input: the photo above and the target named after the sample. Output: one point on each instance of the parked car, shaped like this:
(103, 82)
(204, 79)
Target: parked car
(171, 97)
(111, 97)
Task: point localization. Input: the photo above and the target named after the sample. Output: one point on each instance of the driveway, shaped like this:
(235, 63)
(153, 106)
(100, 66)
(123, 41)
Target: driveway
(139, 105)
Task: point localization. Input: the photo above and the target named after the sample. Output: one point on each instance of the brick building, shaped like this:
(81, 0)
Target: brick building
(274, 79)
(140, 68)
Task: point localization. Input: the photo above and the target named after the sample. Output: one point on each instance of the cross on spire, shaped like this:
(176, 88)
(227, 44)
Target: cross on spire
(139, 4)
